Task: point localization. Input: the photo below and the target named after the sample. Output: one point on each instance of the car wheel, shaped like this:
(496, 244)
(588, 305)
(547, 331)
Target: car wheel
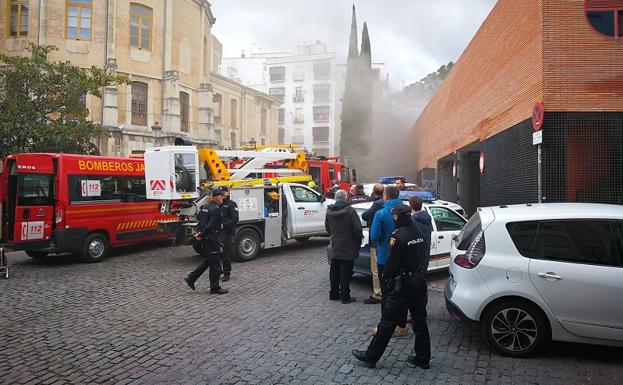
(302, 239)
(515, 328)
(95, 248)
(36, 254)
(247, 244)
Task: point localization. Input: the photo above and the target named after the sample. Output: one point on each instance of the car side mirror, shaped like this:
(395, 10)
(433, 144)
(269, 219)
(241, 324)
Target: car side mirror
(455, 237)
(321, 198)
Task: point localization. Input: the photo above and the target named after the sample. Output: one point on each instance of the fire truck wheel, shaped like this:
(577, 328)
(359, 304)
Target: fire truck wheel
(302, 239)
(37, 254)
(197, 247)
(247, 245)
(95, 248)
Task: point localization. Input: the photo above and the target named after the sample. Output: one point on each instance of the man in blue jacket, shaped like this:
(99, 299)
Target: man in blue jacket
(424, 221)
(380, 232)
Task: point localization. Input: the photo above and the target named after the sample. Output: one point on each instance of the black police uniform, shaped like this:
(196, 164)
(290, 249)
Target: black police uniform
(405, 273)
(229, 219)
(209, 228)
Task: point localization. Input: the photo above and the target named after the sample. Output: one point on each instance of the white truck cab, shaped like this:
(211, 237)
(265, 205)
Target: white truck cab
(271, 215)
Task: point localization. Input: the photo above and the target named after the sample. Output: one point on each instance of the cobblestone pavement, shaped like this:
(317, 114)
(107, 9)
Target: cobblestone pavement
(131, 319)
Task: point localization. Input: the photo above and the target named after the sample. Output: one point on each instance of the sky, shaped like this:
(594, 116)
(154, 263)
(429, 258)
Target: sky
(412, 37)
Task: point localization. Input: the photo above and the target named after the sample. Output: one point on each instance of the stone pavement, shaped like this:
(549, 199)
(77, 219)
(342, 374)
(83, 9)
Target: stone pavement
(131, 319)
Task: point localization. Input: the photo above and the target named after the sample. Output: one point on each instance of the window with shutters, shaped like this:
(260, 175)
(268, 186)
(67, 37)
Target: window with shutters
(139, 103)
(321, 113)
(321, 92)
(277, 74)
(277, 93)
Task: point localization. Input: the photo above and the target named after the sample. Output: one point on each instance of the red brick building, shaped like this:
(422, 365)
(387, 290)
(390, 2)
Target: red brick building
(477, 129)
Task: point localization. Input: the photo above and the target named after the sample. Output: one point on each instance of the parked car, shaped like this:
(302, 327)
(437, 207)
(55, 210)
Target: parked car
(446, 223)
(425, 195)
(533, 273)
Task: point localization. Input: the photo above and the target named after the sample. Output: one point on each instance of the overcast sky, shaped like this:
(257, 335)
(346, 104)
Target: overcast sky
(412, 37)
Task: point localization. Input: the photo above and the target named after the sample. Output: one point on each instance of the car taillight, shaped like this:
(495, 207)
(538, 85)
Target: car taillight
(474, 253)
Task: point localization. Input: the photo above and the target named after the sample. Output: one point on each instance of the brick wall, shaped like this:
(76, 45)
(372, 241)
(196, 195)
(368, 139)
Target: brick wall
(524, 52)
(494, 84)
(583, 69)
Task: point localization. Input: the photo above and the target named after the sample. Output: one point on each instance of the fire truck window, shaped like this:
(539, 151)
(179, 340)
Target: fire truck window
(345, 175)
(301, 195)
(314, 172)
(106, 189)
(33, 189)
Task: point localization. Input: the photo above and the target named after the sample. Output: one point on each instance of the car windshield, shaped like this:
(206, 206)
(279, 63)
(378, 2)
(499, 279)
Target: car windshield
(469, 232)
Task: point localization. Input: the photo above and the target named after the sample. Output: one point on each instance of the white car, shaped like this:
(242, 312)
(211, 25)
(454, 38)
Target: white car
(446, 224)
(367, 188)
(533, 273)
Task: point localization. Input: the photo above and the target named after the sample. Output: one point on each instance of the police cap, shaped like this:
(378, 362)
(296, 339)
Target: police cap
(216, 192)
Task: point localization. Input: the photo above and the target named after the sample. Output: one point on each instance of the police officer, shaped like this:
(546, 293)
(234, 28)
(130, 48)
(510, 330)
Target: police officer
(229, 219)
(208, 230)
(405, 272)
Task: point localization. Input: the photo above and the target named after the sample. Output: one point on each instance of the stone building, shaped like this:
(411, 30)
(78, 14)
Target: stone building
(167, 50)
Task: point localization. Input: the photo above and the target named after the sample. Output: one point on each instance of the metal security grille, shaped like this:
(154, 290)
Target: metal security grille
(583, 157)
(510, 167)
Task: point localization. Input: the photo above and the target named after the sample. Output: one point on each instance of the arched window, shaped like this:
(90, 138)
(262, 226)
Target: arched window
(606, 17)
(140, 26)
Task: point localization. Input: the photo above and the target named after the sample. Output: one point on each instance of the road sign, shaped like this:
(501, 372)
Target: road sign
(537, 137)
(538, 113)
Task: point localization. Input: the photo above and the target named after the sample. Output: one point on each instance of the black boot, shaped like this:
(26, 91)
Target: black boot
(189, 282)
(219, 290)
(364, 358)
(415, 362)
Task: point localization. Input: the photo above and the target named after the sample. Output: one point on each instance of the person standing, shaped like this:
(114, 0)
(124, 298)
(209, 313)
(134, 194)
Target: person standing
(229, 219)
(208, 231)
(401, 183)
(368, 215)
(406, 277)
(345, 232)
(422, 219)
(380, 232)
(358, 195)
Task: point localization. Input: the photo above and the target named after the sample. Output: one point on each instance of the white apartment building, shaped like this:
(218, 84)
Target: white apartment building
(310, 85)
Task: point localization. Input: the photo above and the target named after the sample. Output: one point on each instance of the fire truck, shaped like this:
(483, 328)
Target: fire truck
(272, 210)
(328, 173)
(53, 203)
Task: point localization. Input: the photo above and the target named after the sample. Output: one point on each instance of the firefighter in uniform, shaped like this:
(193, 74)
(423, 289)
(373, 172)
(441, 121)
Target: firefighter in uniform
(208, 230)
(229, 219)
(405, 272)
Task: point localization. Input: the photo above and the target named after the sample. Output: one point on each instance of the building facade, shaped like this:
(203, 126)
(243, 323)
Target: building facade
(170, 92)
(477, 131)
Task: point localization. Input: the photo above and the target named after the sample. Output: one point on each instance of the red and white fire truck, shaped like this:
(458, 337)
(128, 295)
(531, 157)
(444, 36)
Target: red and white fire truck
(52, 203)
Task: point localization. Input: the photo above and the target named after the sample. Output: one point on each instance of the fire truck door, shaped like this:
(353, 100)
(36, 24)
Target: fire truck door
(34, 207)
(307, 210)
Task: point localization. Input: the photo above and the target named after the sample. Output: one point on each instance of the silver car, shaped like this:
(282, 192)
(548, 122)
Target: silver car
(533, 273)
